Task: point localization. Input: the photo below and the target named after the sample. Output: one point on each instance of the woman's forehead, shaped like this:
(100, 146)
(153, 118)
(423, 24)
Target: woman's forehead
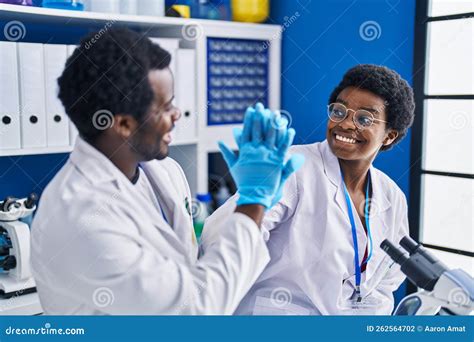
(358, 98)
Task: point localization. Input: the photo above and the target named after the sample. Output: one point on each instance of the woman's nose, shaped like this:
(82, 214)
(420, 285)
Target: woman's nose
(348, 122)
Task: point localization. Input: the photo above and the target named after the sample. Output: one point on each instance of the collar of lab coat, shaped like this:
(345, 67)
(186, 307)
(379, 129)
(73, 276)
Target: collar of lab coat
(97, 168)
(379, 205)
(379, 201)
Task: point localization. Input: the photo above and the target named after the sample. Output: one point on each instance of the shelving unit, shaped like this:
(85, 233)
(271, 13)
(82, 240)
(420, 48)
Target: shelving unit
(190, 152)
(34, 151)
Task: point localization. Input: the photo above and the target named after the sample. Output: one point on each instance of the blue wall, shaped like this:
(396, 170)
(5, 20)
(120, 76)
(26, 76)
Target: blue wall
(318, 47)
(19, 176)
(321, 40)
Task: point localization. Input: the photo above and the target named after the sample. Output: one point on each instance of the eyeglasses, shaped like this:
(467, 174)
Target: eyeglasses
(337, 112)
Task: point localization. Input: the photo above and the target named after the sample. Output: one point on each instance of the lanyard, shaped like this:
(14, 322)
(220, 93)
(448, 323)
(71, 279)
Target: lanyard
(354, 232)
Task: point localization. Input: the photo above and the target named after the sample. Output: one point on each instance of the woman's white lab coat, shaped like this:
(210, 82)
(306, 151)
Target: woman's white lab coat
(312, 256)
(98, 247)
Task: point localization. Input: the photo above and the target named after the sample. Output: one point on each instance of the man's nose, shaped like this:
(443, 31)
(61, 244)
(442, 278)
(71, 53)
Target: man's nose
(176, 114)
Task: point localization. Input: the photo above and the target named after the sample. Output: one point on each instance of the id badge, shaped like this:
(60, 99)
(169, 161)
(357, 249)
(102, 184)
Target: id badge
(360, 305)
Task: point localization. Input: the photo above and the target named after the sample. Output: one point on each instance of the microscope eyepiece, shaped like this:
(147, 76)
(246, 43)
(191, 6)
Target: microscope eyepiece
(396, 254)
(421, 267)
(409, 244)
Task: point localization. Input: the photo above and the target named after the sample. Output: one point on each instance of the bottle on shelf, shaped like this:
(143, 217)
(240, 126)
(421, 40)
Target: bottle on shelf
(154, 8)
(74, 5)
(201, 209)
(18, 2)
(250, 11)
(222, 195)
(179, 8)
(105, 6)
(212, 9)
(128, 6)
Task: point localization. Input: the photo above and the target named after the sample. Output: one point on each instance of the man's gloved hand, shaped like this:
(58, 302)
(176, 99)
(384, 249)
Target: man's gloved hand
(260, 170)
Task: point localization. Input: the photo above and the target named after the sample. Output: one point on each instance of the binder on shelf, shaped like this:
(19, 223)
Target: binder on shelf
(9, 97)
(32, 96)
(70, 50)
(73, 133)
(57, 125)
(171, 45)
(185, 92)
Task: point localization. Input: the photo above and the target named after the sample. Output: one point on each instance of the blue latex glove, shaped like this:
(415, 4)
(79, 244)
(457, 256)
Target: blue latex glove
(260, 170)
(274, 137)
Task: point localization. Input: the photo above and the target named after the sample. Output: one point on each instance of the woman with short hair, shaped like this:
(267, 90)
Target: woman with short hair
(325, 232)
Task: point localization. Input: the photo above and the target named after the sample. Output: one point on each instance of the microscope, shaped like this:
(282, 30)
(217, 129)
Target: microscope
(18, 294)
(443, 291)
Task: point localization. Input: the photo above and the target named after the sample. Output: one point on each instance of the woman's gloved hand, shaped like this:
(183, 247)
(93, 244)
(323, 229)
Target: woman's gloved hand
(260, 170)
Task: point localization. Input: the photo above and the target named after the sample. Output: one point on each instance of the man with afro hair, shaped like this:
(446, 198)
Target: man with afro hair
(113, 233)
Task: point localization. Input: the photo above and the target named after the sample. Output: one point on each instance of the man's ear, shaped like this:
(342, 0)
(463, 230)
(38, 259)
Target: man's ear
(124, 125)
(390, 137)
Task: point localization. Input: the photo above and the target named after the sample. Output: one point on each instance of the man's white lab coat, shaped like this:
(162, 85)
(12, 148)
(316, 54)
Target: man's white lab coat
(98, 247)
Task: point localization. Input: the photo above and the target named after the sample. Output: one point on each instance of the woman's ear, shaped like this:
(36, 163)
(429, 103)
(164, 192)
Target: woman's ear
(390, 137)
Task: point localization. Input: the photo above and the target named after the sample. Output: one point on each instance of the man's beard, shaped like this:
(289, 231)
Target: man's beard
(148, 151)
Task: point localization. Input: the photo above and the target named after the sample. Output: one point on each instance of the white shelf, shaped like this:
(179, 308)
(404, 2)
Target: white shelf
(184, 142)
(33, 151)
(193, 153)
(68, 149)
(51, 15)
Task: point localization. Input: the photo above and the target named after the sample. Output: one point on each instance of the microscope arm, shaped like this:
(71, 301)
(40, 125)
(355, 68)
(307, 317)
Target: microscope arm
(19, 234)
